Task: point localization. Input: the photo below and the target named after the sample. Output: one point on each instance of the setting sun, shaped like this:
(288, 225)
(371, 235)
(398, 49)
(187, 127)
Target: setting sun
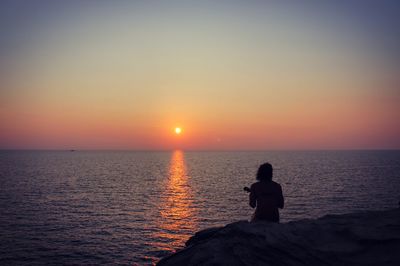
(178, 130)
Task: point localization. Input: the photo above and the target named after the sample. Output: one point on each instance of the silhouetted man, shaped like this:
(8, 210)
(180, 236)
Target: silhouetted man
(266, 196)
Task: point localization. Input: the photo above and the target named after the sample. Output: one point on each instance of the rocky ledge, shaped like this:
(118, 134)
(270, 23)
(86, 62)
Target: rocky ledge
(364, 238)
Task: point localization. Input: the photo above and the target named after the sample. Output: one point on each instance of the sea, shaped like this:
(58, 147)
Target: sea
(135, 207)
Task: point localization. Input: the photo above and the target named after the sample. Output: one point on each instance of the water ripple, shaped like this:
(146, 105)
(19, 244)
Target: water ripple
(135, 207)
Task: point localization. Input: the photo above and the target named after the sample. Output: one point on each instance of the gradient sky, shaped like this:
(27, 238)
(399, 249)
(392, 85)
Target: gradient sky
(232, 74)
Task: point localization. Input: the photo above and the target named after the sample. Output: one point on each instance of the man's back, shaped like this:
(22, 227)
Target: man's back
(267, 197)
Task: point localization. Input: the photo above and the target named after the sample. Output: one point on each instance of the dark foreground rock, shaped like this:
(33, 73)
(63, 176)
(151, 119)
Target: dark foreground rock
(365, 238)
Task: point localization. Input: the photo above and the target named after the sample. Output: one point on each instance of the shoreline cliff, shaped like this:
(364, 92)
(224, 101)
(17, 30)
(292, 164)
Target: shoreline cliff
(362, 238)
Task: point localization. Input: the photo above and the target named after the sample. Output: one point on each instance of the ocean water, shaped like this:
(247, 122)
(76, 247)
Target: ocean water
(61, 207)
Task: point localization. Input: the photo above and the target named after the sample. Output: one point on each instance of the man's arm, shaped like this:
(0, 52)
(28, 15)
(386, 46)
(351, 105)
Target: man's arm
(281, 200)
(252, 197)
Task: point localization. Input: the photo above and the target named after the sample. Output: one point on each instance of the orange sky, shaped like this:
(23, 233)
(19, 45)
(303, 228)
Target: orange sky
(124, 78)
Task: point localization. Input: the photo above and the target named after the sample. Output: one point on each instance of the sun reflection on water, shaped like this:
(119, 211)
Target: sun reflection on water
(178, 219)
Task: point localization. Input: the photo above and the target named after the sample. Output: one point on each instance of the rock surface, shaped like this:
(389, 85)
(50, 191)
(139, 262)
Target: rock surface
(365, 238)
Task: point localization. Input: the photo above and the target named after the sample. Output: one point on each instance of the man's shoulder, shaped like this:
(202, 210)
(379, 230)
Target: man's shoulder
(276, 184)
(256, 184)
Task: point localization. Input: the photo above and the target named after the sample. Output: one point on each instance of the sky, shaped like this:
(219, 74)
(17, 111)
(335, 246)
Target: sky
(234, 75)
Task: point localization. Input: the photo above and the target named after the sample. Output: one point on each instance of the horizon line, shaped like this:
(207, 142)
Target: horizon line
(204, 150)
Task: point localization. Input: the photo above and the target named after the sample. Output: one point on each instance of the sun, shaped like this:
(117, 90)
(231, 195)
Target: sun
(178, 130)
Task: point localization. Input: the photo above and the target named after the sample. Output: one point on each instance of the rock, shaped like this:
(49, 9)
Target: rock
(365, 238)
